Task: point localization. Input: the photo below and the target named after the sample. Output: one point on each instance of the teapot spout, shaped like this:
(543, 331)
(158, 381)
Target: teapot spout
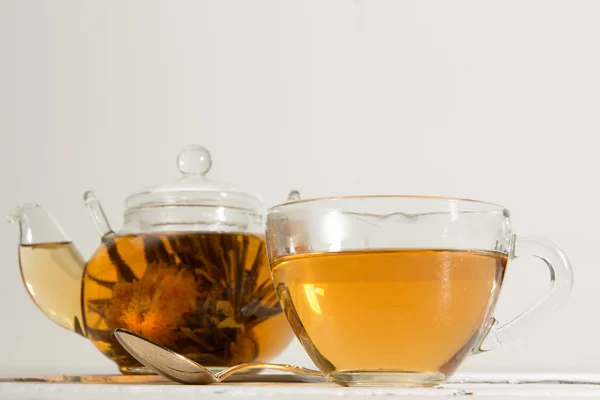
(36, 225)
(51, 266)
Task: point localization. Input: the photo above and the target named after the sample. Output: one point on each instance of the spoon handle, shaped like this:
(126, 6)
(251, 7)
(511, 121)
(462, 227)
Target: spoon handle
(278, 367)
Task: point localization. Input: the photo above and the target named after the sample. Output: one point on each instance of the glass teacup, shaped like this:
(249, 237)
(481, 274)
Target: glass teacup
(400, 289)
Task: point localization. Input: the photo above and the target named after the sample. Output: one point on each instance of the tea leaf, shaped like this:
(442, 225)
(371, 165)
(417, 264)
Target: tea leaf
(230, 323)
(155, 251)
(190, 334)
(106, 284)
(123, 269)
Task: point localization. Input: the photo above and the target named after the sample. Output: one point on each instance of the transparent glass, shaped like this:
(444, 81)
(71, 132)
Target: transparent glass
(400, 289)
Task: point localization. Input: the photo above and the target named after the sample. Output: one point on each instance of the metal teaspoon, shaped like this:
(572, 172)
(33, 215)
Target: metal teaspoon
(179, 368)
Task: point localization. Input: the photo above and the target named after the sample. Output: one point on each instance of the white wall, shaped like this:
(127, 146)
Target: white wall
(496, 100)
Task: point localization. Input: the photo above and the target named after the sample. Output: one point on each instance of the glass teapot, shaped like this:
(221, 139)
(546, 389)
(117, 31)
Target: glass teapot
(188, 269)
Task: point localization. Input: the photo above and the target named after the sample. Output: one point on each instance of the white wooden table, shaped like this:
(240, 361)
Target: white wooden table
(486, 386)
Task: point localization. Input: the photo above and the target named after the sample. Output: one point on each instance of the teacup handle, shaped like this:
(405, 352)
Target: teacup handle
(561, 283)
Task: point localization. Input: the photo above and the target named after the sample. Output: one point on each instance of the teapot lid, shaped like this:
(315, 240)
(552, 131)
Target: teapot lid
(194, 188)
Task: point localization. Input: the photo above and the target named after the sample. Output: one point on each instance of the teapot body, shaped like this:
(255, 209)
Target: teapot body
(207, 295)
(188, 270)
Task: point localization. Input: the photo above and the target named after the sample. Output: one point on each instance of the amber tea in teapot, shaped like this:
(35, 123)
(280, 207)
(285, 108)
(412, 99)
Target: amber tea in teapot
(215, 288)
(189, 270)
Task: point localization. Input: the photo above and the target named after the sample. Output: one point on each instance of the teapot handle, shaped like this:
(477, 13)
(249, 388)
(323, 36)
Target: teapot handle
(561, 284)
(97, 215)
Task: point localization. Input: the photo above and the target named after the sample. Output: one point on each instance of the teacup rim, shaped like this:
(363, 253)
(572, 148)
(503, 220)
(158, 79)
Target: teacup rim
(399, 196)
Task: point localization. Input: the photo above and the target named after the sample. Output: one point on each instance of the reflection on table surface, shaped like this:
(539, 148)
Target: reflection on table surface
(151, 387)
(155, 379)
(468, 379)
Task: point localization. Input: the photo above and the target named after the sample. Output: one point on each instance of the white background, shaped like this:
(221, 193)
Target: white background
(495, 100)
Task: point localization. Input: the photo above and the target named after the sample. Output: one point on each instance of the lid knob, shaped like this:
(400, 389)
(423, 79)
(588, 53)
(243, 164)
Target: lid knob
(194, 160)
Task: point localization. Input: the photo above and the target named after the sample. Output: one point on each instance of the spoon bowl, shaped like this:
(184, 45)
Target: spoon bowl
(179, 368)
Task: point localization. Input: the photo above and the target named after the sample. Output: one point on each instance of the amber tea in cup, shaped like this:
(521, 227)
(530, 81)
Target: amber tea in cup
(428, 305)
(397, 290)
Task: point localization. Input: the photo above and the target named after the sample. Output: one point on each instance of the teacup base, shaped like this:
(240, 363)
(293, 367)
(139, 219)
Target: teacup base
(386, 378)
